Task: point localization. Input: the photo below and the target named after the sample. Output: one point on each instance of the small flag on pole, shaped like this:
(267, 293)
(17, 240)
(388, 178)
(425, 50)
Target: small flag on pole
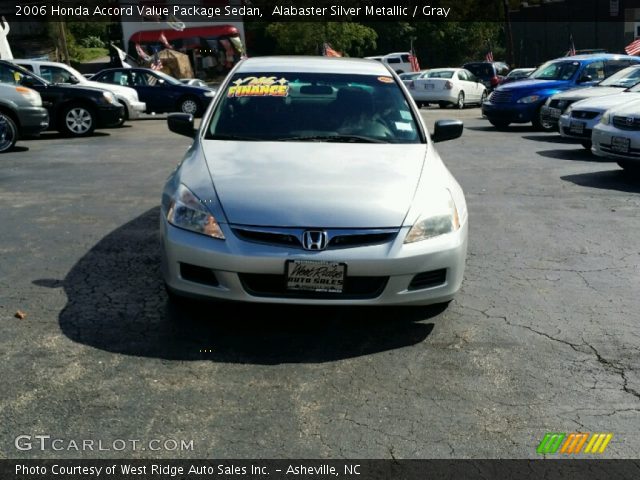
(633, 48)
(327, 51)
(413, 60)
(572, 48)
(489, 56)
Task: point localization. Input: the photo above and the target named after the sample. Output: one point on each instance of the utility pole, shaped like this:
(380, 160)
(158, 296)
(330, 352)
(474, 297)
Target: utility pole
(63, 43)
(507, 32)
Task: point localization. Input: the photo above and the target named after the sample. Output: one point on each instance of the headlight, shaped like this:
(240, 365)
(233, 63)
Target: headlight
(606, 118)
(31, 96)
(187, 211)
(529, 99)
(568, 110)
(108, 97)
(210, 94)
(440, 217)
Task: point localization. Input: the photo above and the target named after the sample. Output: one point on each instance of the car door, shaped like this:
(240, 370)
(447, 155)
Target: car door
(478, 86)
(162, 96)
(592, 74)
(466, 86)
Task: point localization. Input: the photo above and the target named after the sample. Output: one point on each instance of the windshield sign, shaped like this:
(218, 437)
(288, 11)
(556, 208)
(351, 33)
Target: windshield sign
(313, 107)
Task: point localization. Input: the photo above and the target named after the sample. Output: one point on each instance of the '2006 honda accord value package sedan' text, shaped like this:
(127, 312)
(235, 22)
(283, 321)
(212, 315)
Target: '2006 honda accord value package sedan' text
(313, 180)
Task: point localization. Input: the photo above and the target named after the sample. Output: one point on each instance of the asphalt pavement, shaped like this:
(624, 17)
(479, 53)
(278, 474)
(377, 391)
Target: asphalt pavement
(542, 338)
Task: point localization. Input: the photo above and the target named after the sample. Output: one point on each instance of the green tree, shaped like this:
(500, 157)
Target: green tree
(306, 38)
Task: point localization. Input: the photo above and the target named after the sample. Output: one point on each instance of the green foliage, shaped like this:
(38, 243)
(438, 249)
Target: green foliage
(92, 42)
(306, 38)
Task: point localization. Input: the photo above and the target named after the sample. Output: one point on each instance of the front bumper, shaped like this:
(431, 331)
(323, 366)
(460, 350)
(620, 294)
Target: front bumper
(109, 115)
(136, 109)
(233, 260)
(602, 143)
(510, 112)
(567, 126)
(33, 120)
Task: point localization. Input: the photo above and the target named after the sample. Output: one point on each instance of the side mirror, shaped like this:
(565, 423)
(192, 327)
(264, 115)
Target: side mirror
(585, 78)
(447, 130)
(73, 81)
(182, 124)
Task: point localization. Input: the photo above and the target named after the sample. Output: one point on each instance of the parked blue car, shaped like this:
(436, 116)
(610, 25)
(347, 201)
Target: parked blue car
(161, 92)
(523, 101)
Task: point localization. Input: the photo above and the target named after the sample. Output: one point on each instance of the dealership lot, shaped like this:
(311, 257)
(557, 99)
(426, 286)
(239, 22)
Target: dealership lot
(542, 338)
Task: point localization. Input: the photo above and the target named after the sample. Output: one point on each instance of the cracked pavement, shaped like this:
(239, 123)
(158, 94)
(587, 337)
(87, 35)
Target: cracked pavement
(542, 338)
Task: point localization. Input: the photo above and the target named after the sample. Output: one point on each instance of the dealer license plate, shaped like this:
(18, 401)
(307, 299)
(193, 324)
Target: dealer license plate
(554, 112)
(620, 144)
(577, 127)
(315, 276)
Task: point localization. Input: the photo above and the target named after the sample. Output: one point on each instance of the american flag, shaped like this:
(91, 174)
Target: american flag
(489, 56)
(156, 63)
(633, 48)
(327, 51)
(415, 66)
(572, 48)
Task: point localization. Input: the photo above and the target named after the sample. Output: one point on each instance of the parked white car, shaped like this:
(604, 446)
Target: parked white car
(447, 86)
(579, 118)
(61, 73)
(617, 136)
(399, 62)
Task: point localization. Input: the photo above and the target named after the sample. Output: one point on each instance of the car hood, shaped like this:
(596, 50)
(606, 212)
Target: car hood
(304, 184)
(629, 107)
(531, 85)
(589, 92)
(607, 102)
(126, 92)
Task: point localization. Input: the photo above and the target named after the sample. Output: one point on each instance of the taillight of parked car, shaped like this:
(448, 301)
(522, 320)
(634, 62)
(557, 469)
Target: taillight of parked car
(448, 85)
(495, 81)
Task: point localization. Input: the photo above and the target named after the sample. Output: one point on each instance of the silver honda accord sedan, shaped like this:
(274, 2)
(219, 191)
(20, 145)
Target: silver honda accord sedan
(313, 180)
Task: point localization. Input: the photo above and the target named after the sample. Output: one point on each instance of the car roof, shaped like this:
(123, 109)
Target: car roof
(599, 56)
(312, 64)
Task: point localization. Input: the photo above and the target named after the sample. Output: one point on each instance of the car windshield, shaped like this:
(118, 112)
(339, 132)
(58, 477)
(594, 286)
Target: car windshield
(15, 75)
(561, 70)
(626, 78)
(438, 74)
(167, 78)
(313, 107)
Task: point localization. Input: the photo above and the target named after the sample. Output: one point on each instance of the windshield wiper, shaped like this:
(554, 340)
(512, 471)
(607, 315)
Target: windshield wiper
(334, 138)
(224, 136)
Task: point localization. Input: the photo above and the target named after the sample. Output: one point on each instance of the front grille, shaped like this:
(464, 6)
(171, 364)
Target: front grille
(584, 114)
(626, 123)
(268, 285)
(272, 238)
(586, 133)
(430, 279)
(196, 274)
(501, 97)
(292, 237)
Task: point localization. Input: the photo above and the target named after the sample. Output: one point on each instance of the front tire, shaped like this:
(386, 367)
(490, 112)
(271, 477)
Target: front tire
(77, 121)
(8, 133)
(443, 105)
(483, 98)
(125, 116)
(189, 105)
(460, 102)
(543, 125)
(631, 167)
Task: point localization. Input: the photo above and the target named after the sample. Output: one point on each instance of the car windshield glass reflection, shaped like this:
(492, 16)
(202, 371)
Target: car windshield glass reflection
(626, 78)
(314, 107)
(555, 71)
